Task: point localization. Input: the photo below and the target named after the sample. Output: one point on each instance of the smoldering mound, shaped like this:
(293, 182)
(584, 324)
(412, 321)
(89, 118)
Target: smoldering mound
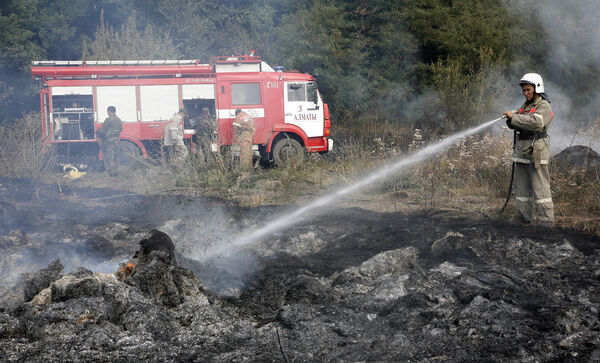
(577, 157)
(355, 285)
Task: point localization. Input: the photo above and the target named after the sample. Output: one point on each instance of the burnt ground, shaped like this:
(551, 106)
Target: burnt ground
(352, 285)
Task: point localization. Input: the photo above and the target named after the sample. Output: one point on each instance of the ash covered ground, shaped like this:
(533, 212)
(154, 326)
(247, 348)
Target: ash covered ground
(353, 285)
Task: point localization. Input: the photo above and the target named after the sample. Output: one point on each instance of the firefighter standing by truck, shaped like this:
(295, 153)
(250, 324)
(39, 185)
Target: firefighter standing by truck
(108, 140)
(532, 153)
(243, 126)
(205, 128)
(173, 140)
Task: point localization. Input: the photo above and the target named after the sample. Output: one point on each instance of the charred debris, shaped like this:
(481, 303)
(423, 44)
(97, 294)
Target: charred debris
(358, 286)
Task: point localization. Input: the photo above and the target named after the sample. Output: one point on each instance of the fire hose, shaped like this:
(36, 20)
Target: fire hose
(512, 173)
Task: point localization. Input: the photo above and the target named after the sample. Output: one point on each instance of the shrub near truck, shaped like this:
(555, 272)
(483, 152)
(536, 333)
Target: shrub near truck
(287, 108)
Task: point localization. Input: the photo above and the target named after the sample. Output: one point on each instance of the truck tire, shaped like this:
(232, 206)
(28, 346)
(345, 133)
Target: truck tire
(286, 149)
(128, 153)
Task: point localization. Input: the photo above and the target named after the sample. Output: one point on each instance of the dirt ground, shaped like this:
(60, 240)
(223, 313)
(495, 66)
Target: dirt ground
(352, 284)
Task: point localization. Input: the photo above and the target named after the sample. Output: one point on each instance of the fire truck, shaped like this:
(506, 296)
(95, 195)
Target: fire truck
(288, 110)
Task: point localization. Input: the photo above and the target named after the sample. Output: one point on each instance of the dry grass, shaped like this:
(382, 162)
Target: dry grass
(475, 175)
(470, 177)
(476, 169)
(576, 191)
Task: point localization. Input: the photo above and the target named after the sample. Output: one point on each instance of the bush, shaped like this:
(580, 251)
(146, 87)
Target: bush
(22, 152)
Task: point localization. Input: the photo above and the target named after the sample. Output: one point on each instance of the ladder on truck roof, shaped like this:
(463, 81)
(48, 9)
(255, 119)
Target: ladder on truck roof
(145, 62)
(53, 69)
(50, 69)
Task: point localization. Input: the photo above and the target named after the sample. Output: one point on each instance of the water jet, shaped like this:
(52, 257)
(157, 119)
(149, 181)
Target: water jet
(316, 205)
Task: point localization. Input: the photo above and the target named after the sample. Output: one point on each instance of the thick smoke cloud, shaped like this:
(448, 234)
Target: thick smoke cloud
(198, 229)
(572, 63)
(573, 31)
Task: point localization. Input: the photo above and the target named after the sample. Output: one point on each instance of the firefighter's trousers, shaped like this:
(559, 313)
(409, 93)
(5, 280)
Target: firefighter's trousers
(532, 192)
(246, 150)
(176, 153)
(110, 150)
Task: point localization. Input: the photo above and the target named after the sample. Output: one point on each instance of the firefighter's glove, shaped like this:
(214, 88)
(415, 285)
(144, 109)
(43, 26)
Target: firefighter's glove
(509, 124)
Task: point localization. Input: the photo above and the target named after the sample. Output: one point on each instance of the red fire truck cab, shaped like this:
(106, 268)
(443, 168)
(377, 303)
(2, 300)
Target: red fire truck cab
(287, 108)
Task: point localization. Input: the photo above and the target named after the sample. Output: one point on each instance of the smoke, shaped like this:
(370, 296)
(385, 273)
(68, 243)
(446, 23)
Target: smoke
(571, 67)
(25, 253)
(565, 131)
(574, 37)
(200, 226)
(99, 238)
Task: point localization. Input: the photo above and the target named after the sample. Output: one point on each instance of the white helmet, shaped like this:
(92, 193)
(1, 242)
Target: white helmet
(533, 79)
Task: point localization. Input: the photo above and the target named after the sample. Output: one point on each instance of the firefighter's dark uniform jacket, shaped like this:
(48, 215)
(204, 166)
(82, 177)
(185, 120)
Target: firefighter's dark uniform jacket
(111, 128)
(109, 133)
(531, 155)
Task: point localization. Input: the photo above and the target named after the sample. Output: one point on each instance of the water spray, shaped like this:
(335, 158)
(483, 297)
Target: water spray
(299, 214)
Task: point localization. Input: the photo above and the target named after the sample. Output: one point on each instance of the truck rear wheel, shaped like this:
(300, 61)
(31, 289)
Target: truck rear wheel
(285, 150)
(128, 153)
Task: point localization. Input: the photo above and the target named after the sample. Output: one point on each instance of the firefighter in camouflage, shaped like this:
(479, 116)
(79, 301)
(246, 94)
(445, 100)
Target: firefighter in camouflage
(173, 141)
(108, 137)
(532, 152)
(243, 126)
(205, 127)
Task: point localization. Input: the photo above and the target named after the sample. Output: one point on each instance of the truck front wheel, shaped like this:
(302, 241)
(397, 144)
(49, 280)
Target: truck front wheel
(285, 150)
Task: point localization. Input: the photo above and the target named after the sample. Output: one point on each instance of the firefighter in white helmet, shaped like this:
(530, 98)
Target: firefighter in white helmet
(532, 153)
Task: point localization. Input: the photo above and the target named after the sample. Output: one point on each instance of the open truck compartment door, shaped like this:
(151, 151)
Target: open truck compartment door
(71, 116)
(198, 96)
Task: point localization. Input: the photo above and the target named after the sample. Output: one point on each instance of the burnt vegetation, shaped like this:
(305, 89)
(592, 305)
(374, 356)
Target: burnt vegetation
(419, 267)
(357, 285)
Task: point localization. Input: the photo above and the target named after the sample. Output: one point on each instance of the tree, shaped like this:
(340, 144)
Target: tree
(320, 39)
(128, 43)
(18, 48)
(34, 30)
(457, 30)
(390, 58)
(468, 98)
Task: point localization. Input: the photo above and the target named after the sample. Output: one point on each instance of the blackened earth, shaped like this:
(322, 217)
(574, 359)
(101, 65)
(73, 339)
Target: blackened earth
(352, 285)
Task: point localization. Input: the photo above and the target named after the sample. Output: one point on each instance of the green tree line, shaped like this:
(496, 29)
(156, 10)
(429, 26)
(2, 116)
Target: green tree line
(440, 62)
